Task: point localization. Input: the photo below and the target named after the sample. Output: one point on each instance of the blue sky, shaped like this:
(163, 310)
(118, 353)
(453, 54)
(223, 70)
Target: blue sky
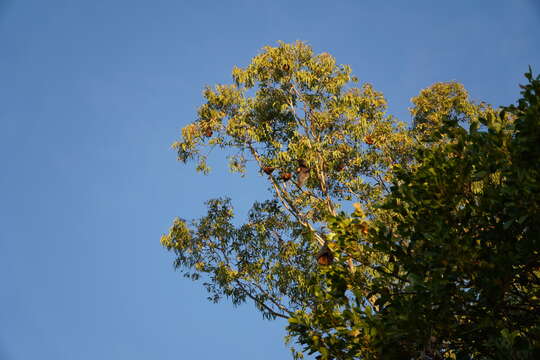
(92, 95)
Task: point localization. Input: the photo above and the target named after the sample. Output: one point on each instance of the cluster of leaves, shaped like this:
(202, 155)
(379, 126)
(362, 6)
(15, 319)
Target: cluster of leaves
(298, 119)
(461, 278)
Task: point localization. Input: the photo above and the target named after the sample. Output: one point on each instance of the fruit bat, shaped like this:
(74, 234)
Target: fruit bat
(302, 173)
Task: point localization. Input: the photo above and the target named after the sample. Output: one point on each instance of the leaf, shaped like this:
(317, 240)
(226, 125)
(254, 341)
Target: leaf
(507, 224)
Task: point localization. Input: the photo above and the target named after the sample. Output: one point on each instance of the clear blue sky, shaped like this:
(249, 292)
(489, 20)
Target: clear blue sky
(92, 94)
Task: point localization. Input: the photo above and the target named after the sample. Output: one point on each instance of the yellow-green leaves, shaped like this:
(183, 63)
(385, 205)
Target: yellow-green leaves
(443, 102)
(290, 104)
(179, 234)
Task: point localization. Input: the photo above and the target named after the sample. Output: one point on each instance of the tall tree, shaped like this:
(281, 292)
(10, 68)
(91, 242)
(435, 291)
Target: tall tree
(299, 120)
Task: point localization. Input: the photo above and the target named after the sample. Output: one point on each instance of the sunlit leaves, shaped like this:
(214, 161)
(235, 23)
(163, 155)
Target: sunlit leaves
(299, 114)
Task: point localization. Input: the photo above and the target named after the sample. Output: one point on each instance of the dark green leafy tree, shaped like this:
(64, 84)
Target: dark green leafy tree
(461, 272)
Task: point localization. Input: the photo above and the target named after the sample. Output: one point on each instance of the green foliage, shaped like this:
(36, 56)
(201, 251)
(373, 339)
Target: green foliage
(443, 102)
(440, 258)
(461, 278)
(320, 141)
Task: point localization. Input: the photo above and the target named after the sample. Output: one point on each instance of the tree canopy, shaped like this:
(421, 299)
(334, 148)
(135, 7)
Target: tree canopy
(321, 141)
(415, 269)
